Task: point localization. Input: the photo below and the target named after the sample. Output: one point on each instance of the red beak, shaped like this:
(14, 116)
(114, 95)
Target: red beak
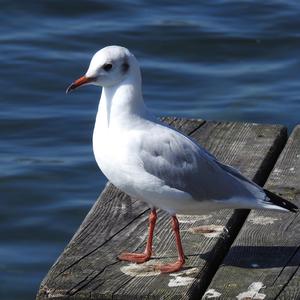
(77, 83)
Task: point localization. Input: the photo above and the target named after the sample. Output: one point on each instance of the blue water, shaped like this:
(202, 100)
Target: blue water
(221, 60)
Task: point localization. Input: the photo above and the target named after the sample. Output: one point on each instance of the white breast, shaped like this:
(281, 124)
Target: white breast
(107, 150)
(115, 158)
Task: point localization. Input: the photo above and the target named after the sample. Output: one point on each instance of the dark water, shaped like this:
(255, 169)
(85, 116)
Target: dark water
(222, 60)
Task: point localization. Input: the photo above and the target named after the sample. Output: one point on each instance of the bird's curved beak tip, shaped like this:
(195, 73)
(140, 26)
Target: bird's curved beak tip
(70, 88)
(77, 83)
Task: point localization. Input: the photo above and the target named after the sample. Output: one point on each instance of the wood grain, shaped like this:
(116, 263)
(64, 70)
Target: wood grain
(88, 268)
(267, 249)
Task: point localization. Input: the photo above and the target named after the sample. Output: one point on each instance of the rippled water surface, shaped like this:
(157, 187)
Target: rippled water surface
(221, 60)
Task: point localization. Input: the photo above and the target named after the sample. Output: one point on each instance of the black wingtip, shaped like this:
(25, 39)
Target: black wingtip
(277, 200)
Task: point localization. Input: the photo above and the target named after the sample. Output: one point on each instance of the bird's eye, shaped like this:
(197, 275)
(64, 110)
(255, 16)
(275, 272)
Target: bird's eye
(107, 67)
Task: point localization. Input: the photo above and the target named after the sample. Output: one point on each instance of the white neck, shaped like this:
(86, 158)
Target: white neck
(121, 103)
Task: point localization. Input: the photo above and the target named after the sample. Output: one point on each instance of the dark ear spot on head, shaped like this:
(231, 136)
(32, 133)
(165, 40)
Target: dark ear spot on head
(125, 67)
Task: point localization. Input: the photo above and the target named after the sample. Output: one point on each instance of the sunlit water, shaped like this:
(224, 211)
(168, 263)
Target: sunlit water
(221, 60)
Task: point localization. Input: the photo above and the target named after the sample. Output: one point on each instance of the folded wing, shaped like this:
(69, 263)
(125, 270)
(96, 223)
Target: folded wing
(184, 165)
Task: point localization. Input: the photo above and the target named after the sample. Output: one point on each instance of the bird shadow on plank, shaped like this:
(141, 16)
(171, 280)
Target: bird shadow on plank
(260, 256)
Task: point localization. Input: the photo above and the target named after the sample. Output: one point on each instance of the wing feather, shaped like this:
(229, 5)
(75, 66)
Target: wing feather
(182, 164)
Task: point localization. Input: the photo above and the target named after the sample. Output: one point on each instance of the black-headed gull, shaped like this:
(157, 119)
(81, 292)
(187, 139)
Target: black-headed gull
(155, 163)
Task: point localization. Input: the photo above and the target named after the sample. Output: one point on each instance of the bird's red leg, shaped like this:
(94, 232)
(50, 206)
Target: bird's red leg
(176, 266)
(146, 255)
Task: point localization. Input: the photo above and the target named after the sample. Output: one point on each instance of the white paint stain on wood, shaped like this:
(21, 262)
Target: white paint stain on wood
(180, 281)
(211, 294)
(261, 220)
(192, 218)
(209, 231)
(252, 292)
(186, 272)
(184, 277)
(140, 270)
(277, 171)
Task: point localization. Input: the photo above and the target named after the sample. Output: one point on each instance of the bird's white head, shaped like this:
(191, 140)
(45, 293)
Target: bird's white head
(108, 67)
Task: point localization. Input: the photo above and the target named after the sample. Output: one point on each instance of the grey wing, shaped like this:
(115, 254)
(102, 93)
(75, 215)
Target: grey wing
(182, 164)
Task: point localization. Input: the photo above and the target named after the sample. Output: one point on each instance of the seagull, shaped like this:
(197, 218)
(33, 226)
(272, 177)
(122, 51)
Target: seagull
(153, 162)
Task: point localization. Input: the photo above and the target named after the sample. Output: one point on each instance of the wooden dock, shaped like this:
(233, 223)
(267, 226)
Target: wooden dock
(230, 254)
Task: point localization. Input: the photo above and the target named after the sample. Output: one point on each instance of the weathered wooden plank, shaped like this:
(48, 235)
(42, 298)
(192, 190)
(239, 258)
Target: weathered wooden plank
(187, 126)
(88, 268)
(235, 143)
(92, 234)
(267, 249)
